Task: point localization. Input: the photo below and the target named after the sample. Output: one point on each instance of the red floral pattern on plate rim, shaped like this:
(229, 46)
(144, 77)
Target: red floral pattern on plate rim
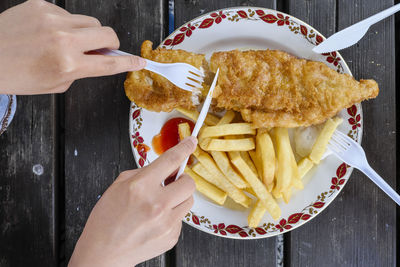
(271, 17)
(355, 120)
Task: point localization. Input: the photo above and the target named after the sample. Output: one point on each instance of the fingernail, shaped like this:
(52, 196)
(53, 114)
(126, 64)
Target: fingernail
(190, 139)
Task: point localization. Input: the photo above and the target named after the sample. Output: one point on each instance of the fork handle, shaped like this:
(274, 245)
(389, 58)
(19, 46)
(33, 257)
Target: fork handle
(380, 182)
(151, 65)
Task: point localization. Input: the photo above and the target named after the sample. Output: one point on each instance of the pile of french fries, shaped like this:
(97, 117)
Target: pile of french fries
(237, 161)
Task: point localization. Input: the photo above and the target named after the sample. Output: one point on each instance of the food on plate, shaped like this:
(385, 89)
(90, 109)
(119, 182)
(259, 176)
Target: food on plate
(284, 153)
(256, 214)
(194, 115)
(323, 138)
(224, 165)
(304, 166)
(169, 136)
(246, 157)
(208, 169)
(248, 154)
(267, 172)
(265, 155)
(274, 89)
(227, 118)
(258, 187)
(156, 93)
(212, 144)
(270, 88)
(227, 129)
(206, 188)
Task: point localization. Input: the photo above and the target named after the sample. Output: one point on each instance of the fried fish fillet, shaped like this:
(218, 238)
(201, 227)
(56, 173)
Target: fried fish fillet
(154, 92)
(274, 89)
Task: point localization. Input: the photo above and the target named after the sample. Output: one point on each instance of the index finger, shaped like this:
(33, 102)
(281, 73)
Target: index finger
(170, 161)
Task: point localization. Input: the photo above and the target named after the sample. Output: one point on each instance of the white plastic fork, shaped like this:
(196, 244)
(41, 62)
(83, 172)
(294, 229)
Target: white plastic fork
(183, 75)
(349, 151)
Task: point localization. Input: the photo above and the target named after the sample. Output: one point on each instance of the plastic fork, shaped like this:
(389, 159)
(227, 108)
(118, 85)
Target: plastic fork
(352, 153)
(183, 75)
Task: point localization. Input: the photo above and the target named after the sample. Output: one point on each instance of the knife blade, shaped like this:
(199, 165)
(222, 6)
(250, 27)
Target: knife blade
(354, 33)
(200, 119)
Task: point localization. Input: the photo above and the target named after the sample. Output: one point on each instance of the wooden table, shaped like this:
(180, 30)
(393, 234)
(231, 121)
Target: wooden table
(79, 143)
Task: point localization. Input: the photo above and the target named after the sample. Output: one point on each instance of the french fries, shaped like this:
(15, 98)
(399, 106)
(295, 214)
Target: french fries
(284, 170)
(265, 154)
(304, 166)
(234, 158)
(194, 115)
(227, 118)
(224, 165)
(206, 188)
(256, 214)
(227, 129)
(211, 144)
(245, 156)
(323, 138)
(261, 192)
(184, 130)
(209, 171)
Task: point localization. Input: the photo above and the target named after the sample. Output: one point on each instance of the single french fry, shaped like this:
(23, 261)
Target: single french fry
(256, 214)
(284, 171)
(256, 162)
(206, 188)
(270, 186)
(194, 115)
(250, 191)
(211, 144)
(227, 118)
(227, 129)
(224, 165)
(277, 194)
(184, 130)
(209, 171)
(245, 156)
(266, 154)
(287, 195)
(296, 179)
(304, 166)
(323, 138)
(259, 188)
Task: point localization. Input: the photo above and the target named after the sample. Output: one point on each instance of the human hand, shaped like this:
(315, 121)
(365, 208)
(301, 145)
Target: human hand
(136, 218)
(43, 49)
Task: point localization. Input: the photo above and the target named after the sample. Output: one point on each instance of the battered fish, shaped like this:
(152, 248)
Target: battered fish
(269, 87)
(152, 91)
(274, 89)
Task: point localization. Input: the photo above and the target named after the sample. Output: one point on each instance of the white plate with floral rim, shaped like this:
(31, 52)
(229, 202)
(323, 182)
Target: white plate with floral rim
(252, 28)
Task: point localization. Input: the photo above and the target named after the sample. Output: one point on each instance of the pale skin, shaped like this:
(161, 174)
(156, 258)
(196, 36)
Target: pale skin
(136, 218)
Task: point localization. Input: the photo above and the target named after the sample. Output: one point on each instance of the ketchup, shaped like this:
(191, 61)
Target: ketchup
(169, 135)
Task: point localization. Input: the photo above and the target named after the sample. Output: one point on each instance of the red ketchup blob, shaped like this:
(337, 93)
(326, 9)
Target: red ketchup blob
(169, 137)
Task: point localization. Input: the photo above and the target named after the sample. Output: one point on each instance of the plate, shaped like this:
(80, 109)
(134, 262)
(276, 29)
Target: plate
(253, 28)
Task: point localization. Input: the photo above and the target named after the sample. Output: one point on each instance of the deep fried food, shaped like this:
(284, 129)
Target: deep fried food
(274, 89)
(156, 93)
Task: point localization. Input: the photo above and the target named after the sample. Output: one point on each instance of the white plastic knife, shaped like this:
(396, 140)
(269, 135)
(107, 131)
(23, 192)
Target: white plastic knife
(351, 35)
(200, 120)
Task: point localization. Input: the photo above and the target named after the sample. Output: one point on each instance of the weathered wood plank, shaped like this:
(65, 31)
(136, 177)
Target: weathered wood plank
(196, 248)
(26, 200)
(359, 227)
(97, 110)
(28, 223)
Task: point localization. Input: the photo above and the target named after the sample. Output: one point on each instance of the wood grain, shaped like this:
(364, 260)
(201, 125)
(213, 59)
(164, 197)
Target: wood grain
(28, 222)
(359, 227)
(97, 111)
(196, 248)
